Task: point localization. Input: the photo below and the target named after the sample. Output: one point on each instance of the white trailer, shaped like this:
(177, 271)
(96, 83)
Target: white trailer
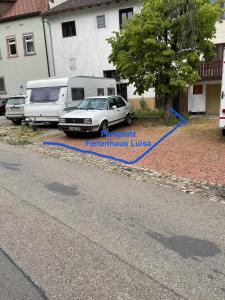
(48, 99)
(222, 101)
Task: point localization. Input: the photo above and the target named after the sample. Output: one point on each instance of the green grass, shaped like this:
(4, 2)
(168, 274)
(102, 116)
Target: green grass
(148, 113)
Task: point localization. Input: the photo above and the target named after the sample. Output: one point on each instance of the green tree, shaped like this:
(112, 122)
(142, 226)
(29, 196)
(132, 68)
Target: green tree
(162, 46)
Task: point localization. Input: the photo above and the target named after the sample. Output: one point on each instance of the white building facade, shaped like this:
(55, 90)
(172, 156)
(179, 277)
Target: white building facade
(204, 97)
(23, 45)
(79, 39)
(23, 54)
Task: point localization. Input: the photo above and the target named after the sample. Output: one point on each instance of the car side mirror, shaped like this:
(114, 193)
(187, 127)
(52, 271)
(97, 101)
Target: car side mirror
(114, 107)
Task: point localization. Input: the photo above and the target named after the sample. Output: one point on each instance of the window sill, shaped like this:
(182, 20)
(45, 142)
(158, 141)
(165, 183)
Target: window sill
(13, 56)
(29, 54)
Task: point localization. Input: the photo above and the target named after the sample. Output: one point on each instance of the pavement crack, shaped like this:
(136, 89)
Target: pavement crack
(27, 277)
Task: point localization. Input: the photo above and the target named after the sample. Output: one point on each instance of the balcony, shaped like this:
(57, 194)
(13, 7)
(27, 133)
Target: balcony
(211, 71)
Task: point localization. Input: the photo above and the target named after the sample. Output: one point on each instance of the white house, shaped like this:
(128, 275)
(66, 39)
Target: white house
(79, 30)
(23, 47)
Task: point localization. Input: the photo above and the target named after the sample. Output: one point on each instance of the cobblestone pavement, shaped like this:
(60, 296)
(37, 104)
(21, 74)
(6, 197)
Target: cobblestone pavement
(196, 151)
(191, 160)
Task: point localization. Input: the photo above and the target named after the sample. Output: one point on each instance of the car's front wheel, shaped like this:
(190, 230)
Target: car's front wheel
(69, 133)
(103, 129)
(17, 122)
(128, 120)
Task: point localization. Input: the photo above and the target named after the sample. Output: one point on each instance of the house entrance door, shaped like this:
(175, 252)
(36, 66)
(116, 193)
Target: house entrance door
(122, 90)
(213, 92)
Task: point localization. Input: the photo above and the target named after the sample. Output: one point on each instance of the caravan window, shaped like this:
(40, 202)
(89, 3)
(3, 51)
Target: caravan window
(48, 94)
(77, 94)
(100, 92)
(111, 91)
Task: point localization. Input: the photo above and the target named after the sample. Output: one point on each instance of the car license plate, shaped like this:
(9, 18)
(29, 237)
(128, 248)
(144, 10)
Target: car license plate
(74, 128)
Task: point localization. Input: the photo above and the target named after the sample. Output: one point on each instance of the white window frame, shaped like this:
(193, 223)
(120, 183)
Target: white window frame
(100, 16)
(28, 37)
(11, 43)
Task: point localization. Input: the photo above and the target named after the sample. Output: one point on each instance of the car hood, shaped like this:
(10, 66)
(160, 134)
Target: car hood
(83, 113)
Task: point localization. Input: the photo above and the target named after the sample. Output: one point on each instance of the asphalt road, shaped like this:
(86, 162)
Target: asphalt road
(77, 232)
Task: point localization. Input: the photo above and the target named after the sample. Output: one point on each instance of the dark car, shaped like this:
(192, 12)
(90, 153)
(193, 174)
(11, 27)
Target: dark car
(2, 106)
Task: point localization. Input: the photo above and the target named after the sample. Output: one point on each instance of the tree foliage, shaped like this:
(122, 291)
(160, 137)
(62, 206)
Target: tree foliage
(163, 44)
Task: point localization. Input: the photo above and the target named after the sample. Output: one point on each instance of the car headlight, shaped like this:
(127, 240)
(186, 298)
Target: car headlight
(61, 120)
(87, 121)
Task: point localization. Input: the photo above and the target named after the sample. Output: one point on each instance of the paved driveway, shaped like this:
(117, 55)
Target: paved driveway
(195, 151)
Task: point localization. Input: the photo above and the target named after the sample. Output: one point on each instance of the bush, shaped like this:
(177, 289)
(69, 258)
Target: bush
(143, 104)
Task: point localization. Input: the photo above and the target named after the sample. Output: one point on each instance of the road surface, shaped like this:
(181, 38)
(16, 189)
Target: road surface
(77, 232)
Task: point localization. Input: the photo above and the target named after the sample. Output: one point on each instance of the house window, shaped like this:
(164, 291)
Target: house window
(11, 45)
(198, 89)
(77, 94)
(68, 29)
(28, 41)
(2, 86)
(111, 91)
(124, 16)
(101, 21)
(73, 64)
(100, 92)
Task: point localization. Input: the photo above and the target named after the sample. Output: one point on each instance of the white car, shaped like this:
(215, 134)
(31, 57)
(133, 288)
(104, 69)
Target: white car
(14, 109)
(96, 114)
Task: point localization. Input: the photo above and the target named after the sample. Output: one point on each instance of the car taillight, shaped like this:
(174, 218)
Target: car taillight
(223, 110)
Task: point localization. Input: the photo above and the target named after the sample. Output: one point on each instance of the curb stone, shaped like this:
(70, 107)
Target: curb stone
(204, 189)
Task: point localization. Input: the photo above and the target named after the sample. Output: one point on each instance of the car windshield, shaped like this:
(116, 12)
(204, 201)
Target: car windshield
(48, 94)
(93, 103)
(16, 101)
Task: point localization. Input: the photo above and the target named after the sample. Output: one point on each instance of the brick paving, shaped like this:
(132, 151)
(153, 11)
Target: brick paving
(195, 151)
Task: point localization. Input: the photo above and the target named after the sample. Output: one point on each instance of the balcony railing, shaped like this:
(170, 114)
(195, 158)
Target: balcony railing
(211, 71)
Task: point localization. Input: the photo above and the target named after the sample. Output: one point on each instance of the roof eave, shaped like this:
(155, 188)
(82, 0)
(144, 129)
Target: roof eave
(18, 17)
(52, 13)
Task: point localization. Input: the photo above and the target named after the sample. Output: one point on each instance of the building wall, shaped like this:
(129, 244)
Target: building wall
(18, 70)
(220, 33)
(89, 47)
(197, 103)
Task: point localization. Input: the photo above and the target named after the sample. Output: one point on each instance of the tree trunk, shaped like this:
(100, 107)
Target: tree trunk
(168, 103)
(183, 102)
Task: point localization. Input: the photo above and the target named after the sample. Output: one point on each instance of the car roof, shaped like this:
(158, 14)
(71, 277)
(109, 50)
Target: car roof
(102, 97)
(17, 96)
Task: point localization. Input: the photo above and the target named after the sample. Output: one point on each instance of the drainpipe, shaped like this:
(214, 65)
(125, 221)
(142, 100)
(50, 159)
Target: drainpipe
(51, 45)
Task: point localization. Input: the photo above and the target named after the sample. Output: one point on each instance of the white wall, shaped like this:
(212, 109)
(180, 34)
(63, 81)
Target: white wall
(220, 33)
(18, 70)
(196, 103)
(89, 47)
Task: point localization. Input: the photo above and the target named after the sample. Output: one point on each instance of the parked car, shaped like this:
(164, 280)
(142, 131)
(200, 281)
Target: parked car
(48, 99)
(96, 114)
(15, 109)
(3, 102)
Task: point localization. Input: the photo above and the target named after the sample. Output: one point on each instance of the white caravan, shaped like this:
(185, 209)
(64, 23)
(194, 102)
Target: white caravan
(222, 101)
(48, 99)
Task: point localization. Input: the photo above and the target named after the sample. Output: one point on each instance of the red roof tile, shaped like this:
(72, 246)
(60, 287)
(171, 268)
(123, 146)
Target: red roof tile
(23, 7)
